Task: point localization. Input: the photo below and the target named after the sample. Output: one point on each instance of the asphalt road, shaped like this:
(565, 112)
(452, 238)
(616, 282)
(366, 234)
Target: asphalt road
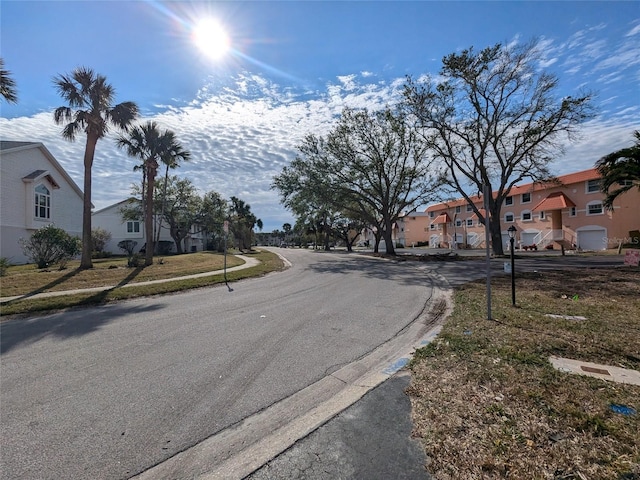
(109, 392)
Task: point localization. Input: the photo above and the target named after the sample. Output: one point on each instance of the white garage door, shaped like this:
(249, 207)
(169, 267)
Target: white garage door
(528, 238)
(592, 239)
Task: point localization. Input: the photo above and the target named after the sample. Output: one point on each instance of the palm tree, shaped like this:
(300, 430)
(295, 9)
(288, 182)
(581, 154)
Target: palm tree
(620, 171)
(149, 144)
(7, 85)
(91, 111)
(171, 160)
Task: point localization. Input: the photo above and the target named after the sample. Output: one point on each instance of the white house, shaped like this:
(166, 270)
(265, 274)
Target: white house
(110, 219)
(34, 191)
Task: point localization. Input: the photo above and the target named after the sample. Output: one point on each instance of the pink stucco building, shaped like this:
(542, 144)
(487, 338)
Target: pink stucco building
(569, 214)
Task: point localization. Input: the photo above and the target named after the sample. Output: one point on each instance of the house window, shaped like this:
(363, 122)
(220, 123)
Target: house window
(458, 209)
(526, 198)
(133, 226)
(594, 208)
(432, 214)
(593, 186)
(458, 222)
(432, 226)
(508, 201)
(626, 183)
(469, 208)
(509, 218)
(542, 215)
(572, 213)
(43, 202)
(470, 222)
(525, 216)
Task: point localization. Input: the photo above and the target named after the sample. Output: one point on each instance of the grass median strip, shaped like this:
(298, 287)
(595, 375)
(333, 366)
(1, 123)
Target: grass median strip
(487, 403)
(102, 275)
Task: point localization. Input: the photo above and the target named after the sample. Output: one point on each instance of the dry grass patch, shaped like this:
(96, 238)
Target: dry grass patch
(198, 263)
(27, 279)
(488, 404)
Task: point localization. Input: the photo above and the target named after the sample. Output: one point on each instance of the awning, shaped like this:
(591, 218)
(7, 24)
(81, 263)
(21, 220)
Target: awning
(442, 218)
(481, 210)
(555, 201)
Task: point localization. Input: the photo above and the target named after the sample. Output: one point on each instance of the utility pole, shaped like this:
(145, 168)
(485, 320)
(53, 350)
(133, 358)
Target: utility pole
(486, 191)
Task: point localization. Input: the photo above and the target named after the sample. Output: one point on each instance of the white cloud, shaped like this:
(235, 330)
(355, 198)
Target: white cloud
(634, 31)
(243, 133)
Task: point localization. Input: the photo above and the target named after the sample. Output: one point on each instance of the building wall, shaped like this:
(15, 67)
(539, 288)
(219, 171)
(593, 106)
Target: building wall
(110, 219)
(17, 198)
(580, 228)
(411, 228)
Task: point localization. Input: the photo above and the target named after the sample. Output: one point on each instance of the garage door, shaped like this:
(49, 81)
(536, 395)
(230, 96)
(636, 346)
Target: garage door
(592, 239)
(528, 238)
(434, 240)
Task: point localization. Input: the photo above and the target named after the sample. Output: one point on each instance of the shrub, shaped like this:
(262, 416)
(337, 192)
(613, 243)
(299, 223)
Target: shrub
(127, 246)
(50, 245)
(99, 239)
(164, 247)
(135, 259)
(4, 265)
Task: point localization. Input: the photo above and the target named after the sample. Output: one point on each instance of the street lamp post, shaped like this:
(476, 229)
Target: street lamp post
(512, 236)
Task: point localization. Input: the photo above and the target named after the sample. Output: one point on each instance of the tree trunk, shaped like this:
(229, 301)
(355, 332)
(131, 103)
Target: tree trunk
(377, 235)
(388, 240)
(327, 236)
(148, 219)
(496, 236)
(164, 200)
(89, 151)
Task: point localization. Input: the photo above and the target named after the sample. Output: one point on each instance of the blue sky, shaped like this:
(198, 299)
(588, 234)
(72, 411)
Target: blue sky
(291, 69)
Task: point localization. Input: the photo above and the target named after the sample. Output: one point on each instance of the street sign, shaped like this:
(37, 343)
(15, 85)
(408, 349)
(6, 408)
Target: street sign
(225, 226)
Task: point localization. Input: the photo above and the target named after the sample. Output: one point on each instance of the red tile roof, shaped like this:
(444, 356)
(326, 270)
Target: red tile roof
(442, 218)
(555, 201)
(562, 180)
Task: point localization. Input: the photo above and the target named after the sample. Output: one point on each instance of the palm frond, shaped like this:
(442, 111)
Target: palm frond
(7, 85)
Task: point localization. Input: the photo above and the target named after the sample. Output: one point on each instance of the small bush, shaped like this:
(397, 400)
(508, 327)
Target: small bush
(135, 260)
(4, 265)
(99, 239)
(50, 245)
(127, 246)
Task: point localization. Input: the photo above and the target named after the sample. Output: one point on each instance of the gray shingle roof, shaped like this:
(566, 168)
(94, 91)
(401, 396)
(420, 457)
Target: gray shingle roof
(6, 144)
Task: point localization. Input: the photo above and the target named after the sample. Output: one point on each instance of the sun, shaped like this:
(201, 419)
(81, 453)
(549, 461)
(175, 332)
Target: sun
(211, 38)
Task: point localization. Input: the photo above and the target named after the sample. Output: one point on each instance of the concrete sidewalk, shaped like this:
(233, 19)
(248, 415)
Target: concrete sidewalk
(249, 262)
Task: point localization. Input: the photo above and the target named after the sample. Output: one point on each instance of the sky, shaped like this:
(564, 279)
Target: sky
(290, 69)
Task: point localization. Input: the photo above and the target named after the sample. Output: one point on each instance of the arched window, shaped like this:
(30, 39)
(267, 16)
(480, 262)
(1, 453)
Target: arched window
(42, 202)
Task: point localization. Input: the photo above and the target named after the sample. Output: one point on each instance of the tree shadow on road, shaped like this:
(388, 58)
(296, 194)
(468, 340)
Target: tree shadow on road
(64, 325)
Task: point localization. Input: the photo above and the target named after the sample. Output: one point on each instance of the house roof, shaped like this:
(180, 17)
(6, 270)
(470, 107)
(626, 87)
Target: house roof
(117, 204)
(481, 210)
(554, 201)
(37, 174)
(561, 180)
(6, 146)
(442, 218)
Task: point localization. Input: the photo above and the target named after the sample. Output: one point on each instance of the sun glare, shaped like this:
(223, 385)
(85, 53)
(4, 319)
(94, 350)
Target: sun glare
(211, 38)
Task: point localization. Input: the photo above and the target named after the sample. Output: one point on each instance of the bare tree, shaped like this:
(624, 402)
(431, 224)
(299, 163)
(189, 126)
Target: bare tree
(493, 118)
